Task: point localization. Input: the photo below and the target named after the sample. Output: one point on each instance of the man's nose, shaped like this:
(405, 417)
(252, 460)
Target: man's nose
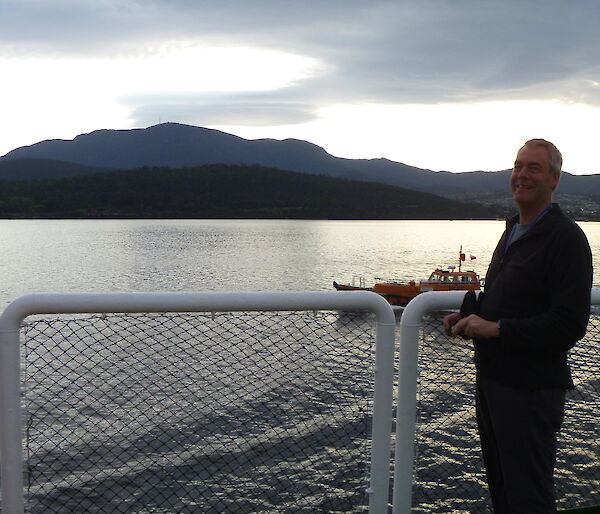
(521, 172)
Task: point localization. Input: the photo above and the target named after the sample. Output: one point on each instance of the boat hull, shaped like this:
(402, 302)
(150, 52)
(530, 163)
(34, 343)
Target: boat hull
(344, 287)
(401, 294)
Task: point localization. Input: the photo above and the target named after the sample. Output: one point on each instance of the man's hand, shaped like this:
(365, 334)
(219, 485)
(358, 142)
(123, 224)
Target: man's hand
(449, 321)
(475, 327)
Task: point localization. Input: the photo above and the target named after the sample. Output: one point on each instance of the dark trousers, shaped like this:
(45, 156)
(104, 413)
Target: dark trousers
(518, 429)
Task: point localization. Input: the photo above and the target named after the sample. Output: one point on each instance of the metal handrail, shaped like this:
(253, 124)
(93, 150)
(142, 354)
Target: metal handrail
(410, 326)
(11, 469)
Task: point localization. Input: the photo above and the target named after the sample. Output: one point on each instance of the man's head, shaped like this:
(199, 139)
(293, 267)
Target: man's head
(536, 174)
(556, 159)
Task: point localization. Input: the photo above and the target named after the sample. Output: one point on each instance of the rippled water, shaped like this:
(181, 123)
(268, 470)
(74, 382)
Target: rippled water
(230, 255)
(197, 413)
(225, 255)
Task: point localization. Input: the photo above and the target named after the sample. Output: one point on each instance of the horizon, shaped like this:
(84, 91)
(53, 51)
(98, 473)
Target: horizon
(259, 138)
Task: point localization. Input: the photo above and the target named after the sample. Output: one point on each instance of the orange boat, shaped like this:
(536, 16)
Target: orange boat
(400, 294)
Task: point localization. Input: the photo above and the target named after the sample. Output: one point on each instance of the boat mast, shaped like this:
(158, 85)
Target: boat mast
(460, 258)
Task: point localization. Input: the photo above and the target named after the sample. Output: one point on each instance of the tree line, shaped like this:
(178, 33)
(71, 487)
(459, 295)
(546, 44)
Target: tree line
(223, 191)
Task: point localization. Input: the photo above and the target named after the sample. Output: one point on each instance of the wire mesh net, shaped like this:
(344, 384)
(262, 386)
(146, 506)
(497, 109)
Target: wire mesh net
(449, 474)
(258, 412)
(237, 412)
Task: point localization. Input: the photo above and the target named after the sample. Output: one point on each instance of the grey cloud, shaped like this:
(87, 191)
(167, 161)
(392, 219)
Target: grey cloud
(255, 110)
(379, 51)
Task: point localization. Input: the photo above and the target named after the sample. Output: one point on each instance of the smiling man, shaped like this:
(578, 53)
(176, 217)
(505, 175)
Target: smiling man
(534, 179)
(535, 307)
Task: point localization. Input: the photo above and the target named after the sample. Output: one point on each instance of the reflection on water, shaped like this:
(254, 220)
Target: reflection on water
(236, 412)
(229, 255)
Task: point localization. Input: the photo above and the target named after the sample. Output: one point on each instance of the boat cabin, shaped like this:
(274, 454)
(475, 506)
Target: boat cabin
(447, 277)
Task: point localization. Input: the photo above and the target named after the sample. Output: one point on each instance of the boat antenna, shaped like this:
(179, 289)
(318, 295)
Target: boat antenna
(460, 258)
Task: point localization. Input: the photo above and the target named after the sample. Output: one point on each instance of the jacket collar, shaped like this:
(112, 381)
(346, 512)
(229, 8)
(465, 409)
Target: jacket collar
(542, 226)
(544, 222)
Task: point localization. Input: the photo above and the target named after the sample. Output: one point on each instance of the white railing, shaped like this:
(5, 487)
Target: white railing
(410, 326)
(11, 450)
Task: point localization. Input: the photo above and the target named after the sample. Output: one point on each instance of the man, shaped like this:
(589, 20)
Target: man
(534, 308)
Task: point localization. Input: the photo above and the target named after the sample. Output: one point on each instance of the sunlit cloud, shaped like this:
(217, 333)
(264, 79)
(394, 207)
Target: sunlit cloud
(65, 96)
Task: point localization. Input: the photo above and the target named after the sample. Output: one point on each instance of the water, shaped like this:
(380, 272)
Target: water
(273, 255)
(224, 413)
(232, 255)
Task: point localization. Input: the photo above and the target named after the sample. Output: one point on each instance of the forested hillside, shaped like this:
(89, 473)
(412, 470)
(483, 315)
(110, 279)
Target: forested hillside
(222, 191)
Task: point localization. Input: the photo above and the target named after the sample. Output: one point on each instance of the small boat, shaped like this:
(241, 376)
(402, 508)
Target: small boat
(399, 294)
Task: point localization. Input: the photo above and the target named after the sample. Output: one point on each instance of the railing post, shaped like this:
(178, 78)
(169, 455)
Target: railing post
(11, 450)
(410, 326)
(382, 414)
(49, 303)
(406, 416)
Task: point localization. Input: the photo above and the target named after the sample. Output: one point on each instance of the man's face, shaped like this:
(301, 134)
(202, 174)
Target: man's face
(531, 181)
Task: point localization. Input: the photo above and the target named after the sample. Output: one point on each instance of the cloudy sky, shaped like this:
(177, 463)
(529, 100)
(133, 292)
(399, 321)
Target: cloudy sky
(452, 85)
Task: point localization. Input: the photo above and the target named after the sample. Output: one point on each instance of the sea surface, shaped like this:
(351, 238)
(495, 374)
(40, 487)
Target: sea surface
(111, 418)
(234, 255)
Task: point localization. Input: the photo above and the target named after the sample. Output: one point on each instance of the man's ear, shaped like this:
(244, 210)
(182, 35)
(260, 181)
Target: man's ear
(555, 180)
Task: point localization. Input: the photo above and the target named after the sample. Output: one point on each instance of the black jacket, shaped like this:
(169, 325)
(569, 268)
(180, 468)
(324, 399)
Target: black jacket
(540, 291)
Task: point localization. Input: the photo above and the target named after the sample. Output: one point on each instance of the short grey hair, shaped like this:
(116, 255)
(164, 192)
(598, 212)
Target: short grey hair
(556, 159)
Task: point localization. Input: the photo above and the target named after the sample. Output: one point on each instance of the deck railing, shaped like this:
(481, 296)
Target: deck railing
(438, 467)
(84, 363)
(114, 400)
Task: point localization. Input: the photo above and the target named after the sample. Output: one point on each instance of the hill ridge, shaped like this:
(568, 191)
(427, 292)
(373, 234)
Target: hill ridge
(222, 191)
(178, 145)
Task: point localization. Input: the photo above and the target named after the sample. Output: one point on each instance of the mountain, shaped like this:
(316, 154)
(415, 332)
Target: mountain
(175, 145)
(222, 191)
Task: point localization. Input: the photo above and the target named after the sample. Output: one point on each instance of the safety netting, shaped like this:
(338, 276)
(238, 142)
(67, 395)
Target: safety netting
(258, 412)
(449, 473)
(230, 412)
